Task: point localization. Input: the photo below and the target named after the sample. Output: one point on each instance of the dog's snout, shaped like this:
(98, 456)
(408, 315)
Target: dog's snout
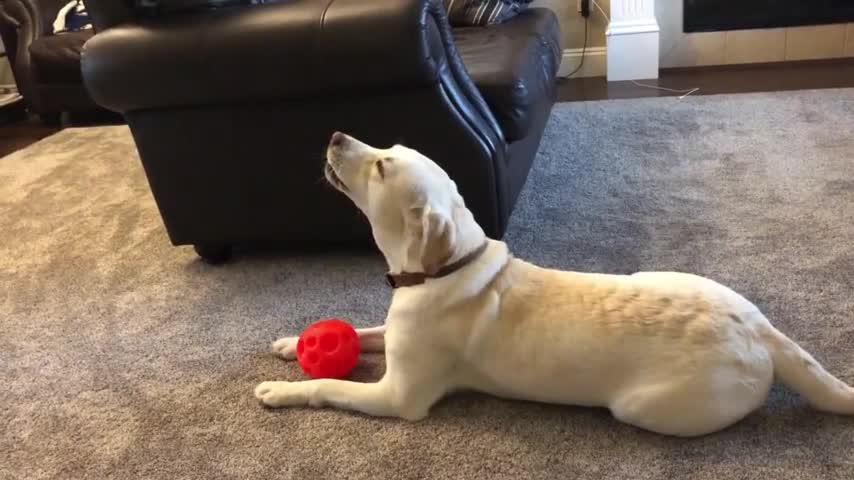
(338, 139)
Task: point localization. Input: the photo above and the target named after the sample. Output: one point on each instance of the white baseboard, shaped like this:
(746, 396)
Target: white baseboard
(595, 62)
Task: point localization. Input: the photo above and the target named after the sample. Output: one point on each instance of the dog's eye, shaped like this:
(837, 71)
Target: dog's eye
(381, 169)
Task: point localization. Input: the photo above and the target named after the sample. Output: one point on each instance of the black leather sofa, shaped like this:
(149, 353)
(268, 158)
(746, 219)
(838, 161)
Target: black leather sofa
(46, 67)
(231, 109)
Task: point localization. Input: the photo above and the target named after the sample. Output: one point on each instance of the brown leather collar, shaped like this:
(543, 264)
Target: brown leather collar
(409, 279)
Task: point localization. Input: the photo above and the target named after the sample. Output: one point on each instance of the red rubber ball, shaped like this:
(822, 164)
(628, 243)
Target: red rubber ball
(328, 349)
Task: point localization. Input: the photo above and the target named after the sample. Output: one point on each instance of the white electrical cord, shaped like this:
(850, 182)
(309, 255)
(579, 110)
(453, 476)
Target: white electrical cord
(685, 92)
(603, 11)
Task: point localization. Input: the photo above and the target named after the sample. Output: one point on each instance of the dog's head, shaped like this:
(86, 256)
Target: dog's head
(419, 220)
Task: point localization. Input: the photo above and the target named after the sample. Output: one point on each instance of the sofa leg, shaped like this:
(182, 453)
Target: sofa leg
(212, 253)
(51, 119)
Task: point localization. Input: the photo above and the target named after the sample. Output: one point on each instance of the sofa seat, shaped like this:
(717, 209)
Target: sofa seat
(513, 65)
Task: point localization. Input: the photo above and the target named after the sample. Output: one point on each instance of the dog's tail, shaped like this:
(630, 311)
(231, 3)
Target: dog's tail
(800, 371)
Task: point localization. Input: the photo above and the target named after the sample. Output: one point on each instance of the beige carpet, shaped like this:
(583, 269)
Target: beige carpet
(124, 357)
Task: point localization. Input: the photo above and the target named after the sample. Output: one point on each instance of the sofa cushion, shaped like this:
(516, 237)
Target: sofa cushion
(286, 50)
(482, 12)
(56, 58)
(513, 65)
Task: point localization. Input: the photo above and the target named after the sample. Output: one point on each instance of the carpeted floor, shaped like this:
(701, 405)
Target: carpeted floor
(123, 357)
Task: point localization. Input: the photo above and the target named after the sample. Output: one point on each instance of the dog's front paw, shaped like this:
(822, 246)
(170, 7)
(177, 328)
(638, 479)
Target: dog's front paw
(280, 394)
(286, 347)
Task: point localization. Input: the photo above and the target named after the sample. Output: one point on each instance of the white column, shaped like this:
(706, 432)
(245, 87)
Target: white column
(632, 39)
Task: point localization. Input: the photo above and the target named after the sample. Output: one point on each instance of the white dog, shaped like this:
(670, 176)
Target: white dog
(669, 352)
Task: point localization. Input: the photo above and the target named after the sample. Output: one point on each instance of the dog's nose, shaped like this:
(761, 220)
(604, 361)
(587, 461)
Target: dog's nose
(338, 139)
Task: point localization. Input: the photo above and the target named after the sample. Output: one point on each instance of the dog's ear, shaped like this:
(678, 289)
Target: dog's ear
(433, 237)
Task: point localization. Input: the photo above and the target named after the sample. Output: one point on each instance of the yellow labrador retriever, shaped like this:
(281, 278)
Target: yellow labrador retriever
(673, 353)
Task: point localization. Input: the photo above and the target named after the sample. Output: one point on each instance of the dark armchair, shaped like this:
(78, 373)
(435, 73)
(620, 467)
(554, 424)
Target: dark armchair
(231, 108)
(46, 67)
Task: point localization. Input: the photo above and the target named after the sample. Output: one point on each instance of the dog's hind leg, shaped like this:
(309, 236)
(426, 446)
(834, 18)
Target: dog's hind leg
(698, 405)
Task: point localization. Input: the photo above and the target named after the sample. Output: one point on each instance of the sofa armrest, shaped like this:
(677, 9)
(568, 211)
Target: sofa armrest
(22, 22)
(274, 52)
(21, 25)
(27, 16)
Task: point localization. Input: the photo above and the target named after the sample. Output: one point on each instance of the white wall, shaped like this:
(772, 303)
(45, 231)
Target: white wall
(5, 69)
(572, 28)
(572, 23)
(678, 49)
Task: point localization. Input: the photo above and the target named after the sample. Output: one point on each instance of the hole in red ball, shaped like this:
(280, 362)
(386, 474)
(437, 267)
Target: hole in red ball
(329, 342)
(310, 342)
(312, 357)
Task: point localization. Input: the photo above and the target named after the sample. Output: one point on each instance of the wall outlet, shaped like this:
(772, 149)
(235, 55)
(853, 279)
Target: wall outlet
(584, 8)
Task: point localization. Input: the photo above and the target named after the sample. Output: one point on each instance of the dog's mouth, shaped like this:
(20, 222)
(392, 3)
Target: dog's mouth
(334, 179)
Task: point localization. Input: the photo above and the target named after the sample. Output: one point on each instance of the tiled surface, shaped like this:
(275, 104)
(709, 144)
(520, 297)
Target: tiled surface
(816, 42)
(755, 46)
(766, 77)
(747, 46)
(715, 48)
(849, 41)
(696, 49)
